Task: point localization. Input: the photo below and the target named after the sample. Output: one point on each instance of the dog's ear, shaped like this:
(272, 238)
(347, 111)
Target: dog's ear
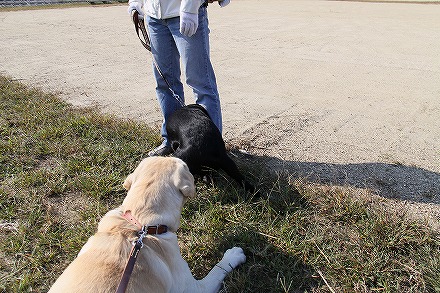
(127, 183)
(188, 190)
(184, 180)
(186, 185)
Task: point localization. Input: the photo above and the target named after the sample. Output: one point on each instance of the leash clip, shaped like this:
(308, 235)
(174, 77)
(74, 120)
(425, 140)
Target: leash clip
(141, 235)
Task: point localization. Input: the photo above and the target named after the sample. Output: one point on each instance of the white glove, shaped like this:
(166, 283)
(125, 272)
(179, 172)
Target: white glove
(135, 6)
(223, 3)
(188, 23)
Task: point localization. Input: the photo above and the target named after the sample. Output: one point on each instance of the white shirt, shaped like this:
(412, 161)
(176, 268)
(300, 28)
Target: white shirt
(163, 9)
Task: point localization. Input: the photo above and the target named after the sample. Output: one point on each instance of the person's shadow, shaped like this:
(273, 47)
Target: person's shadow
(395, 181)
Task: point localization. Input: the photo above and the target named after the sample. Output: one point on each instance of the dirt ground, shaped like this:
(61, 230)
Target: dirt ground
(346, 93)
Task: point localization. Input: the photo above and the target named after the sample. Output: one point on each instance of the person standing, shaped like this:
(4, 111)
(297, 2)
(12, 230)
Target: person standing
(179, 33)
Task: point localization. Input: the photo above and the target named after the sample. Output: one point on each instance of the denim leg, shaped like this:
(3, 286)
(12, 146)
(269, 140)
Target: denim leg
(199, 73)
(166, 55)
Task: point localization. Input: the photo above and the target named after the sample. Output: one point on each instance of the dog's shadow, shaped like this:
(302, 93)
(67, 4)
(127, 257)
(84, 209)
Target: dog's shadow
(269, 266)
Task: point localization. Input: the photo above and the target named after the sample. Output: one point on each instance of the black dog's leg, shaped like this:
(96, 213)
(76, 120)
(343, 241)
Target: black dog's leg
(228, 165)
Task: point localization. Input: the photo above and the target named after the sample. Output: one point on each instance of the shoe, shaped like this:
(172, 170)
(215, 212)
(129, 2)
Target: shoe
(162, 150)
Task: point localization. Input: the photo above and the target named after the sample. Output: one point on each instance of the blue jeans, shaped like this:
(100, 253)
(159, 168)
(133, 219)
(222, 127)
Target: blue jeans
(168, 46)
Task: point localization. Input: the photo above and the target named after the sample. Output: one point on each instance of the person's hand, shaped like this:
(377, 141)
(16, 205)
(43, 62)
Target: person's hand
(223, 3)
(135, 6)
(188, 23)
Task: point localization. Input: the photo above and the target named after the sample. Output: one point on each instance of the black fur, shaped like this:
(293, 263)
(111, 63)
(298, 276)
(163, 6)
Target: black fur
(196, 140)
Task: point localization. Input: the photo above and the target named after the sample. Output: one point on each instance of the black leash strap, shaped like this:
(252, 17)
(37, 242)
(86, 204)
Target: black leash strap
(140, 25)
(129, 267)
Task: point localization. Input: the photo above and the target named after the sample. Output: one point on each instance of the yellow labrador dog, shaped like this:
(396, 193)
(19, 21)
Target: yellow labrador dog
(157, 190)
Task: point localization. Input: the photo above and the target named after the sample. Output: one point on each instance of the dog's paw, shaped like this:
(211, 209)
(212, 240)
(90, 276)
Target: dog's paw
(233, 257)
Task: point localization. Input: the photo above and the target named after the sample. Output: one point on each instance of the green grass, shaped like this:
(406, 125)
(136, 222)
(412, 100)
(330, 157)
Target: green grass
(61, 169)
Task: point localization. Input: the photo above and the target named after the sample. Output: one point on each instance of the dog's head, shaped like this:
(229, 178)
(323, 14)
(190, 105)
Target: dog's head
(157, 190)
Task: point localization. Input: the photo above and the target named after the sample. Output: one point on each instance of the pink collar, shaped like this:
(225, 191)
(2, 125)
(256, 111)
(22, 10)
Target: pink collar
(129, 217)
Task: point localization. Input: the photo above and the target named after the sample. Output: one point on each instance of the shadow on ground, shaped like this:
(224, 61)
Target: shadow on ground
(394, 181)
(261, 272)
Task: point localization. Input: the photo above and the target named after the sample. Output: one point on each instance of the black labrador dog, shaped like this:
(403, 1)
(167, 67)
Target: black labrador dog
(196, 140)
